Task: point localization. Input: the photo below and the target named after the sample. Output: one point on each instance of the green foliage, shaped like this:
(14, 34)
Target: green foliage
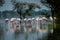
(50, 26)
(43, 1)
(19, 7)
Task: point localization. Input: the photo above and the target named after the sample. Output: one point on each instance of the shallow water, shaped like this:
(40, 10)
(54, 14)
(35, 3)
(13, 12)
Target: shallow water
(9, 34)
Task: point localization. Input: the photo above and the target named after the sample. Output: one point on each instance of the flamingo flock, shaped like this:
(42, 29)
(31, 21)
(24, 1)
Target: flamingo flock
(28, 25)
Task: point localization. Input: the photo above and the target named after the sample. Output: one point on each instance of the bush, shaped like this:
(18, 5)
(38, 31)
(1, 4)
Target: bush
(50, 26)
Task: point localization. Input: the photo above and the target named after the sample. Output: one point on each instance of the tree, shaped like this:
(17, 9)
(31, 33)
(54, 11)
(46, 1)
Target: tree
(20, 7)
(56, 12)
(1, 2)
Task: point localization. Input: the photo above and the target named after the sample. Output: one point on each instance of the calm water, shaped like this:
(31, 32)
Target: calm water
(9, 34)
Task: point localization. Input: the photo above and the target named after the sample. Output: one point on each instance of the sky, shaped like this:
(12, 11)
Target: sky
(8, 5)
